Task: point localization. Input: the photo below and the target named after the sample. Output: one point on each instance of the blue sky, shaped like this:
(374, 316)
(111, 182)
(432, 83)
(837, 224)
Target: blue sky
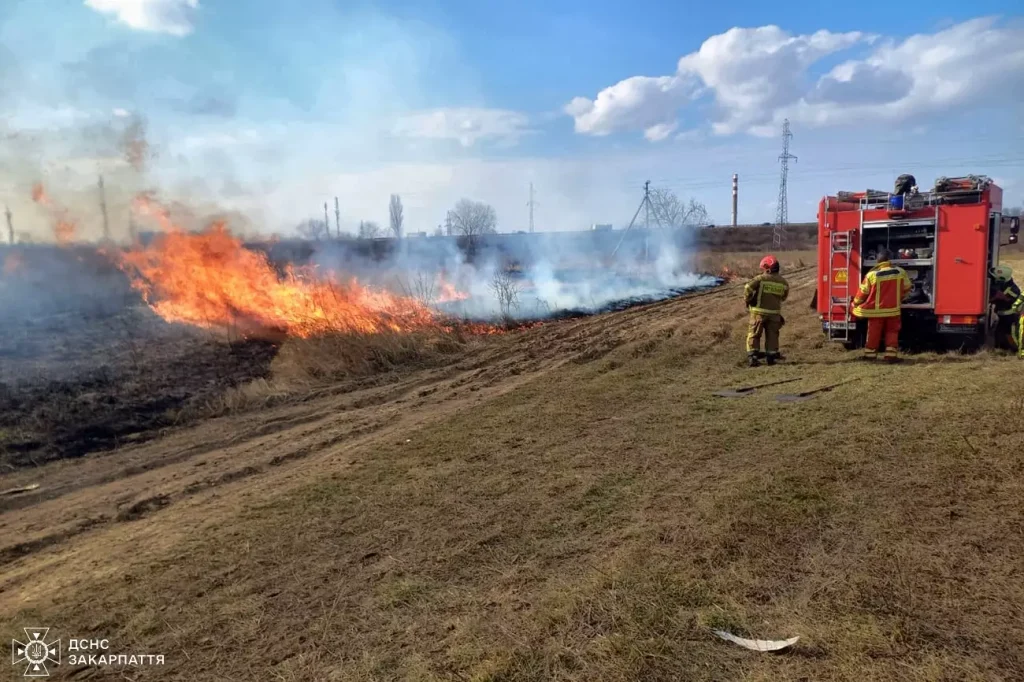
(271, 108)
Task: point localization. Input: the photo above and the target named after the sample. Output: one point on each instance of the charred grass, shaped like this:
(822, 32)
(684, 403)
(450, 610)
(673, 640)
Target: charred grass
(594, 523)
(80, 382)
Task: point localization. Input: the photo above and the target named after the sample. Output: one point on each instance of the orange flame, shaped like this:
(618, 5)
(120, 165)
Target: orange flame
(211, 280)
(447, 292)
(146, 205)
(728, 274)
(64, 228)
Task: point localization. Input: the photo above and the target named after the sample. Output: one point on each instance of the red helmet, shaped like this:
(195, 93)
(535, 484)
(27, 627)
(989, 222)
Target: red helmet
(769, 262)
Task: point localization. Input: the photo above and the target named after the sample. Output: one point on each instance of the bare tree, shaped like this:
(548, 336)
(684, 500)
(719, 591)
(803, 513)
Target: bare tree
(396, 216)
(368, 229)
(312, 229)
(506, 288)
(473, 218)
(696, 213)
(670, 211)
(422, 287)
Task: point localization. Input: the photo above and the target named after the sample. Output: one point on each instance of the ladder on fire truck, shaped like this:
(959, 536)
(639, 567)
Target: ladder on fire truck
(840, 243)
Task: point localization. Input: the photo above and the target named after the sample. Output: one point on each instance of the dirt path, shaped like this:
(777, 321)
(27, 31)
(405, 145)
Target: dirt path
(216, 465)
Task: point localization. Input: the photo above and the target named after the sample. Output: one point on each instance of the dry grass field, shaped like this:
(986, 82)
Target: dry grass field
(566, 502)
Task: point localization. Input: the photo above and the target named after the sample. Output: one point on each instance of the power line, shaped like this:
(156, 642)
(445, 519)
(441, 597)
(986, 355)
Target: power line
(782, 211)
(686, 183)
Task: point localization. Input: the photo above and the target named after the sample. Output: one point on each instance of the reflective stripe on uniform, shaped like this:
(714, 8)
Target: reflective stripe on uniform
(875, 280)
(1018, 305)
(771, 288)
(1018, 336)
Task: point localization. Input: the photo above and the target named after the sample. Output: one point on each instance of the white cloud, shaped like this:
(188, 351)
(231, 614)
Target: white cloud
(758, 76)
(175, 17)
(960, 66)
(752, 71)
(637, 103)
(466, 125)
(659, 132)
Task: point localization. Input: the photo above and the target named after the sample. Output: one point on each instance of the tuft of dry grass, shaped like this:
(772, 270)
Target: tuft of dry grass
(303, 364)
(744, 264)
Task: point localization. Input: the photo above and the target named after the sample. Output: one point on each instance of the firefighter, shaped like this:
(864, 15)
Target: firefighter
(880, 300)
(764, 296)
(1008, 303)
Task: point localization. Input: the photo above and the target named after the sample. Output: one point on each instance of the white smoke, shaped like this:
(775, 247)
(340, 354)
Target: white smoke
(549, 274)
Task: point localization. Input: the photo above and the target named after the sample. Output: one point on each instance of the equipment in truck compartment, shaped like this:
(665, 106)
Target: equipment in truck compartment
(945, 238)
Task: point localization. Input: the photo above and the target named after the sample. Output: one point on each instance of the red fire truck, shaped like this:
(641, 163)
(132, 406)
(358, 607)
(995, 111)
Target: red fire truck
(946, 239)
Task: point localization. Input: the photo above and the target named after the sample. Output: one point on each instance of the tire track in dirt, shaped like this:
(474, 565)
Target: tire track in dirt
(311, 427)
(164, 472)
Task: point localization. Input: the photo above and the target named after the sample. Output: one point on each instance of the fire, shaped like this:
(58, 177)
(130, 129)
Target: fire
(64, 229)
(146, 205)
(447, 292)
(728, 274)
(211, 280)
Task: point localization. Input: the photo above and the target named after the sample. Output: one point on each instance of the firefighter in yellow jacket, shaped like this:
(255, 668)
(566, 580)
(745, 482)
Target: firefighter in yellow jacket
(1008, 301)
(764, 296)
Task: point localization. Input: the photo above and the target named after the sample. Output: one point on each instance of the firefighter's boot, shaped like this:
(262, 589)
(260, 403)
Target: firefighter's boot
(752, 360)
(770, 358)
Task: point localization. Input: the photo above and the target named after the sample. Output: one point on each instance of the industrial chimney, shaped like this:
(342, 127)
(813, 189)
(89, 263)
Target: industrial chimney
(735, 195)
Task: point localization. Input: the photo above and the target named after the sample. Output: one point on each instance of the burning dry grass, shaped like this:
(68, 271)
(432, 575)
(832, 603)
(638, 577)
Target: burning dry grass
(211, 280)
(64, 227)
(591, 521)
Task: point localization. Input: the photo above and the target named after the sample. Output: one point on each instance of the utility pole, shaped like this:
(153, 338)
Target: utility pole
(735, 196)
(530, 204)
(327, 222)
(645, 204)
(337, 219)
(782, 211)
(448, 224)
(103, 208)
(10, 226)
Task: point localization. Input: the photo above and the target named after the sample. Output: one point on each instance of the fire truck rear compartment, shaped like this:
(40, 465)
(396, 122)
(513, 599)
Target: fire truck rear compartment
(945, 240)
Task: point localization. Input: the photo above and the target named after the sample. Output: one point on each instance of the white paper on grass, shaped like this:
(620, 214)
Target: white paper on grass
(757, 644)
(22, 489)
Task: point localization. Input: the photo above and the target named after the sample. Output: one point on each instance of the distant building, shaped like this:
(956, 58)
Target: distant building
(601, 227)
